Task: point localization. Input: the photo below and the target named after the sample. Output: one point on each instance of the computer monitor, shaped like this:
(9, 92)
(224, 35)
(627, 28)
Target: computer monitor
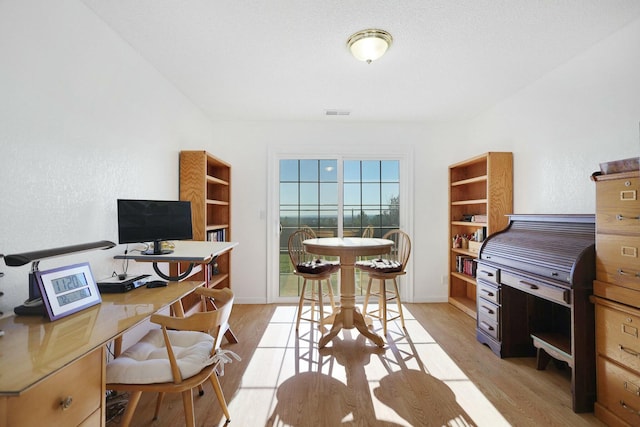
(142, 221)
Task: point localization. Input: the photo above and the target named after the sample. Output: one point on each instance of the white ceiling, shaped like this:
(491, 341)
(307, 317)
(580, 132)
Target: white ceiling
(288, 60)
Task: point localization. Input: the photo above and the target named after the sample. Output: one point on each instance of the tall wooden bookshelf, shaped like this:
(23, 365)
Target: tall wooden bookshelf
(205, 181)
(480, 197)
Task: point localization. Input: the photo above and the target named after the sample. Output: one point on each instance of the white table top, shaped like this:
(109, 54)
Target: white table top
(197, 252)
(349, 242)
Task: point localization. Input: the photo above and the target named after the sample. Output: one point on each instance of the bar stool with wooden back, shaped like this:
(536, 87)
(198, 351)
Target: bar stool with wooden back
(388, 268)
(316, 271)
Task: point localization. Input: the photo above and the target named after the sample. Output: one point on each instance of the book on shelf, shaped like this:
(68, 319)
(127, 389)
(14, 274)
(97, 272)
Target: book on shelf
(466, 264)
(479, 218)
(219, 235)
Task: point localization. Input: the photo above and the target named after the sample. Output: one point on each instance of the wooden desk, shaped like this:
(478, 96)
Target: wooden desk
(55, 371)
(348, 249)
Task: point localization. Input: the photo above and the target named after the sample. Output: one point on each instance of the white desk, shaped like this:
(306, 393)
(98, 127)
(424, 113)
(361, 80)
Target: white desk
(197, 252)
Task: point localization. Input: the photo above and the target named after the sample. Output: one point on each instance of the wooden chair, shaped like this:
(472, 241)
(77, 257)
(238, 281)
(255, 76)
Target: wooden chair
(386, 268)
(314, 270)
(180, 356)
(368, 231)
(309, 230)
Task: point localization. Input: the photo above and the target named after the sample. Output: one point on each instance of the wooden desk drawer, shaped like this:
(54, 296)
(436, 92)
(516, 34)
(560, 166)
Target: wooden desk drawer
(619, 391)
(537, 288)
(618, 259)
(43, 404)
(488, 325)
(618, 335)
(618, 206)
(488, 292)
(489, 274)
(489, 310)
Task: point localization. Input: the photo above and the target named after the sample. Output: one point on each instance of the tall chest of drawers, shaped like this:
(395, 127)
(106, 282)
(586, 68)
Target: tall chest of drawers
(617, 298)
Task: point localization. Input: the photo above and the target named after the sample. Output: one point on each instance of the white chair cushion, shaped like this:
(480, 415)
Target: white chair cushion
(147, 362)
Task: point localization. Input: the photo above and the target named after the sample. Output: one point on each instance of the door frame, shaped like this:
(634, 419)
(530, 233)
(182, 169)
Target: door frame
(402, 153)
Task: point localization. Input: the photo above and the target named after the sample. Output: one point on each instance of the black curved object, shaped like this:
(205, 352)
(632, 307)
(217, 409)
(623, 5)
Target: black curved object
(172, 278)
(16, 260)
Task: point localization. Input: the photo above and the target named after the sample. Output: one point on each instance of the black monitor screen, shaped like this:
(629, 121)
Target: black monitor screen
(142, 221)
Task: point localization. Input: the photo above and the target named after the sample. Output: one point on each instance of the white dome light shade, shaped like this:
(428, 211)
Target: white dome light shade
(369, 45)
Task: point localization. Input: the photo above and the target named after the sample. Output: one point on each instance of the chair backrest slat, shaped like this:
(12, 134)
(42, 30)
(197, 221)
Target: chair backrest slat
(297, 252)
(401, 248)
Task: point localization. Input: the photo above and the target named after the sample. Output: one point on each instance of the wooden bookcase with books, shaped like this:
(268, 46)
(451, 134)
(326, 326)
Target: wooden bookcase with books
(480, 197)
(205, 181)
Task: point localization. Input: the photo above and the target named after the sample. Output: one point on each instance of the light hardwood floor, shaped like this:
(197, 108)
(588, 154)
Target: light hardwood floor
(435, 375)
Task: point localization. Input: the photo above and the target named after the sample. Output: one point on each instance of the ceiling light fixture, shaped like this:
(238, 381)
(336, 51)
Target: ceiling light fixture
(369, 45)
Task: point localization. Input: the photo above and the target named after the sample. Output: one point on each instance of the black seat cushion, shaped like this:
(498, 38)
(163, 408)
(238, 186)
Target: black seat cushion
(380, 265)
(318, 266)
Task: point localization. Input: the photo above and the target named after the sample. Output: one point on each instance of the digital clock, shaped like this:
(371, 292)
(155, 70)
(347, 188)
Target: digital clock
(66, 290)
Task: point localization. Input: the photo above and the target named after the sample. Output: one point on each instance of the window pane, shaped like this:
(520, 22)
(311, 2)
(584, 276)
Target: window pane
(371, 194)
(351, 170)
(329, 194)
(308, 194)
(289, 218)
(352, 194)
(352, 217)
(288, 194)
(309, 170)
(289, 170)
(390, 171)
(328, 170)
(390, 193)
(371, 171)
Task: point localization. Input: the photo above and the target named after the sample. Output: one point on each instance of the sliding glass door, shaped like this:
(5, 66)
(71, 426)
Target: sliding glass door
(335, 198)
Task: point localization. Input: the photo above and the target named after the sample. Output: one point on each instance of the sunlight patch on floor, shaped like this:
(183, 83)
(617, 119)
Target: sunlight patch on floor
(289, 378)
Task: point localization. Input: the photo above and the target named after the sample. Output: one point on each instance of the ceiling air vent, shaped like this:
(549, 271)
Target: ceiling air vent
(336, 112)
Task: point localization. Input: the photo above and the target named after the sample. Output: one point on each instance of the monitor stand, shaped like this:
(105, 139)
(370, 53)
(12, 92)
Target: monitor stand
(157, 249)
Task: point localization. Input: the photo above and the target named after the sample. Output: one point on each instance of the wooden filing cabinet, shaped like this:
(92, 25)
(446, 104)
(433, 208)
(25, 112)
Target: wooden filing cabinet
(617, 298)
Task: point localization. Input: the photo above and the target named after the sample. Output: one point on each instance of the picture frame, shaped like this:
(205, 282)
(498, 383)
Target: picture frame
(67, 290)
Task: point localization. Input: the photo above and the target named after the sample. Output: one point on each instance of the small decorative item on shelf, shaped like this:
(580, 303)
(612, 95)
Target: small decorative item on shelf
(474, 246)
(460, 242)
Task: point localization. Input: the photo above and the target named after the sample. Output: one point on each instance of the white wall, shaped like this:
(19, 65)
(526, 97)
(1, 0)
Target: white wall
(563, 126)
(83, 121)
(559, 128)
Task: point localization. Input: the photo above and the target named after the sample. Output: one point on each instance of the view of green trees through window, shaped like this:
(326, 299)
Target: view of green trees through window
(309, 197)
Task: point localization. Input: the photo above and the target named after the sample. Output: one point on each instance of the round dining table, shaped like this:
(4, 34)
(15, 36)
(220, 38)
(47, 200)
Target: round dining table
(348, 249)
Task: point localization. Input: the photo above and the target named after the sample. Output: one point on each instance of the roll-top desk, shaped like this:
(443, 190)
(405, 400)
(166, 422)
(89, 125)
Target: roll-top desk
(534, 283)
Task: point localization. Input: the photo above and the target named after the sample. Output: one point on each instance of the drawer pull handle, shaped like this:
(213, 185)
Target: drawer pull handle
(628, 273)
(632, 388)
(530, 285)
(630, 330)
(487, 309)
(488, 273)
(629, 251)
(629, 408)
(620, 217)
(487, 326)
(628, 351)
(626, 195)
(66, 403)
(489, 293)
